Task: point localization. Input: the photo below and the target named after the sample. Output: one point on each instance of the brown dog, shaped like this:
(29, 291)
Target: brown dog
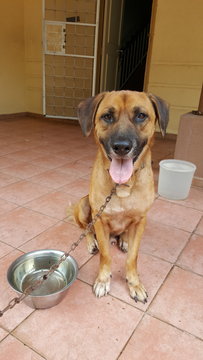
(124, 124)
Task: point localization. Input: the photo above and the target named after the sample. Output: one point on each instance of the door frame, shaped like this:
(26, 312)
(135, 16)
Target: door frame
(106, 27)
(102, 70)
(150, 44)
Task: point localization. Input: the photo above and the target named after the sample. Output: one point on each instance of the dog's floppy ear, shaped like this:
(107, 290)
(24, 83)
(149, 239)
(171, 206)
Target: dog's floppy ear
(86, 112)
(161, 109)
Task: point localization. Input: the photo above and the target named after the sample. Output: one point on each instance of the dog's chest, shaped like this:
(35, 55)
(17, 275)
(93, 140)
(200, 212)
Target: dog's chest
(119, 223)
(128, 205)
(121, 212)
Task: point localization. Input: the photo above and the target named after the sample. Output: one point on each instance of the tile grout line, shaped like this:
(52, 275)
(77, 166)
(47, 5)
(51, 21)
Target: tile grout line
(187, 269)
(156, 294)
(85, 263)
(175, 202)
(170, 262)
(1, 341)
(176, 327)
(28, 346)
(192, 233)
(32, 238)
(175, 227)
(11, 331)
(148, 311)
(130, 337)
(115, 297)
(49, 228)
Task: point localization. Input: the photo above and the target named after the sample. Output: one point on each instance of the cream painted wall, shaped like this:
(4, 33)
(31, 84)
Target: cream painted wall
(175, 64)
(12, 74)
(176, 60)
(21, 56)
(33, 55)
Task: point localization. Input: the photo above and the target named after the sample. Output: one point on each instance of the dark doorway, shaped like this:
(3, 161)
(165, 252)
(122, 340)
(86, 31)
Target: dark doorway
(134, 44)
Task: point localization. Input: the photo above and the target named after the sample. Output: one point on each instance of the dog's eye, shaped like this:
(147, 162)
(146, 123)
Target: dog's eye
(140, 117)
(108, 118)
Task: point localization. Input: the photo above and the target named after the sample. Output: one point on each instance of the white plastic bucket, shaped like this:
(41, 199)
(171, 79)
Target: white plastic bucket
(175, 178)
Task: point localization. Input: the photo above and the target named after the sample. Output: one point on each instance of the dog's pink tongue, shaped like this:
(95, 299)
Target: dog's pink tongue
(121, 170)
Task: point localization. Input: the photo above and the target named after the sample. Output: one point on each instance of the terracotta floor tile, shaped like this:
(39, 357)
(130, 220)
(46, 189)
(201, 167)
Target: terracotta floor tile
(73, 152)
(90, 157)
(163, 241)
(3, 139)
(86, 177)
(5, 249)
(82, 168)
(83, 328)
(199, 229)
(54, 204)
(192, 256)
(23, 170)
(78, 187)
(194, 200)
(21, 225)
(15, 316)
(100, 328)
(12, 348)
(3, 334)
(6, 179)
(152, 273)
(155, 340)
(87, 161)
(26, 156)
(60, 237)
(175, 215)
(68, 155)
(18, 146)
(53, 178)
(6, 206)
(180, 300)
(6, 162)
(41, 148)
(49, 162)
(22, 192)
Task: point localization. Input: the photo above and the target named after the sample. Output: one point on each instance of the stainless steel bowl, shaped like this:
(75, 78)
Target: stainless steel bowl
(29, 267)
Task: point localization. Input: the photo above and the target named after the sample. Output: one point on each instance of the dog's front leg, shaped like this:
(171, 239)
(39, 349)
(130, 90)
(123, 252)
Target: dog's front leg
(101, 286)
(137, 290)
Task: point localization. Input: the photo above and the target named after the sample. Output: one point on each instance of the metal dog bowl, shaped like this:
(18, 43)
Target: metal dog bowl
(29, 267)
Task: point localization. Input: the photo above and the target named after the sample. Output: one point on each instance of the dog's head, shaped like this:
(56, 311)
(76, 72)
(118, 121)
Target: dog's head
(124, 124)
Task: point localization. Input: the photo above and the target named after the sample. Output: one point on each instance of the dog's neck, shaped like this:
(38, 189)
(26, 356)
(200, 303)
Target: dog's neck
(124, 190)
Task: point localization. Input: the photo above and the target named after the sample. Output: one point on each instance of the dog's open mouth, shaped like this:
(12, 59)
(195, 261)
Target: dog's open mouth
(121, 170)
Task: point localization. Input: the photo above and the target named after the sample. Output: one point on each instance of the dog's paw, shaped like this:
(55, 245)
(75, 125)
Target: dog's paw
(101, 288)
(123, 245)
(138, 292)
(92, 245)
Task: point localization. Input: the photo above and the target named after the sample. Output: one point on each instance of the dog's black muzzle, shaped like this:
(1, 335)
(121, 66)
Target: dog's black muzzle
(123, 146)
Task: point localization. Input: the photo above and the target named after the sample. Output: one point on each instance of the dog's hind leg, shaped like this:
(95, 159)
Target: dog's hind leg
(82, 216)
(123, 242)
(137, 290)
(92, 245)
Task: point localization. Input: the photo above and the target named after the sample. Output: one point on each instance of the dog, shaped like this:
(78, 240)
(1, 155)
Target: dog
(124, 125)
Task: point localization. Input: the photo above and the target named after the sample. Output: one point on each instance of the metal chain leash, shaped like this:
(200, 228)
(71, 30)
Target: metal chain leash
(37, 283)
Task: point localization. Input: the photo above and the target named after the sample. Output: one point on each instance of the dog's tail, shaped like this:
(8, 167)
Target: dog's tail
(80, 213)
(70, 213)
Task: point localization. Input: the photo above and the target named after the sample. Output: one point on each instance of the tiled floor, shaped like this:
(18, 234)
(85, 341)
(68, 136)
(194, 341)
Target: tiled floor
(45, 165)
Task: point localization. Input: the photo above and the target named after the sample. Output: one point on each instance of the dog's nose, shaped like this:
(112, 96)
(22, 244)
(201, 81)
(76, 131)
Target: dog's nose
(122, 147)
